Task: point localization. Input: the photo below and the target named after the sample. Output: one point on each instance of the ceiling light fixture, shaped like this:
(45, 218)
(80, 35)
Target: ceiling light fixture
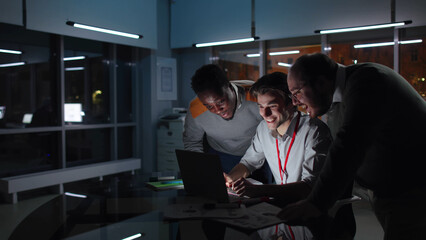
(74, 69)
(10, 51)
(360, 28)
(284, 64)
(273, 53)
(75, 195)
(133, 237)
(284, 53)
(103, 30)
(226, 42)
(368, 45)
(12, 64)
(74, 58)
(252, 55)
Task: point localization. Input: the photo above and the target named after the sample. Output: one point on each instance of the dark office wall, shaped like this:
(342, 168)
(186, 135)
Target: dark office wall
(206, 21)
(133, 16)
(11, 12)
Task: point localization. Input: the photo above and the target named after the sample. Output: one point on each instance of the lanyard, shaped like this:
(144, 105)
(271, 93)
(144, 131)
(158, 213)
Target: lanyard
(284, 170)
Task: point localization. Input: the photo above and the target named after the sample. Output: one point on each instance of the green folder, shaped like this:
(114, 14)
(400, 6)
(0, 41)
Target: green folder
(167, 184)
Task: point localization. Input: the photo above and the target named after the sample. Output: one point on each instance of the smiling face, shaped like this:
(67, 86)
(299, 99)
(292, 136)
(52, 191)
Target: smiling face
(273, 109)
(220, 104)
(316, 101)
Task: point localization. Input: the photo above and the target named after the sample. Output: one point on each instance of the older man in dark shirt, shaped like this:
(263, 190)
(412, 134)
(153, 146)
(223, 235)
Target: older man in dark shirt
(379, 122)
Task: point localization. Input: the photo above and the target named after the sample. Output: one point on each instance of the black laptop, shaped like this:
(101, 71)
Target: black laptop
(202, 175)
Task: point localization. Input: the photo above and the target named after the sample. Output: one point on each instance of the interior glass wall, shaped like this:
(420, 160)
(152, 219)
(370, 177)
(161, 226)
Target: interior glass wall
(235, 60)
(281, 54)
(87, 89)
(356, 47)
(412, 58)
(91, 83)
(28, 86)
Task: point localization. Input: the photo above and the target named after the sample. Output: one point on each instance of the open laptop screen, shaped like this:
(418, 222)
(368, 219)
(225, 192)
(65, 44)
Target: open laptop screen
(202, 175)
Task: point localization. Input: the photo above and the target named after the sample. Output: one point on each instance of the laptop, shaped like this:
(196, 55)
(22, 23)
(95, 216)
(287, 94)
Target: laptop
(202, 175)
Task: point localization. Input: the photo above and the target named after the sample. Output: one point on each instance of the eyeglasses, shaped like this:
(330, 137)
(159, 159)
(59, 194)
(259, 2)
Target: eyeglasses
(294, 95)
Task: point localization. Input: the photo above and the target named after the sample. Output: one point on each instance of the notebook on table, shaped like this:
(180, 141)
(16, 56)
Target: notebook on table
(202, 175)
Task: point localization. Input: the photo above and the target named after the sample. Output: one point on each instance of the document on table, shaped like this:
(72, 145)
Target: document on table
(258, 216)
(199, 211)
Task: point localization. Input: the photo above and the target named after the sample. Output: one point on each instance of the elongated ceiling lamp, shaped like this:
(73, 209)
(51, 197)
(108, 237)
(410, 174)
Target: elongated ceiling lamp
(250, 55)
(284, 64)
(360, 28)
(14, 64)
(226, 42)
(74, 58)
(10, 51)
(103, 30)
(368, 45)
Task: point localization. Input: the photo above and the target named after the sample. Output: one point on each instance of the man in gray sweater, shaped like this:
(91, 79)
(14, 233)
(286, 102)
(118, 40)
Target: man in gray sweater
(222, 119)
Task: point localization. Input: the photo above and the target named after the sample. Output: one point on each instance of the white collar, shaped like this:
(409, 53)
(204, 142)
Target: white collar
(339, 84)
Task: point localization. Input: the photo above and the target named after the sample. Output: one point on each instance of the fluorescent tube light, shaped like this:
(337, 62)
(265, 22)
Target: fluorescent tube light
(360, 28)
(251, 55)
(274, 53)
(74, 69)
(10, 51)
(103, 30)
(373, 45)
(387, 43)
(74, 58)
(209, 44)
(284, 53)
(12, 64)
(284, 64)
(411, 41)
(133, 237)
(75, 195)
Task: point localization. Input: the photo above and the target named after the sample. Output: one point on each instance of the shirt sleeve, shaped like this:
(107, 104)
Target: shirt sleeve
(316, 147)
(192, 135)
(254, 158)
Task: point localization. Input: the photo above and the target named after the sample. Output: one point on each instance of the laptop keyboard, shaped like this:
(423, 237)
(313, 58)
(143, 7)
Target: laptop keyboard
(234, 197)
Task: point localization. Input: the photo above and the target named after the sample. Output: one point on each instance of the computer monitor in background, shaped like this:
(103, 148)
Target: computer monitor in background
(72, 112)
(2, 111)
(28, 117)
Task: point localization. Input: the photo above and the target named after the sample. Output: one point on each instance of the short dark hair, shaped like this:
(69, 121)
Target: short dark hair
(308, 68)
(276, 81)
(209, 77)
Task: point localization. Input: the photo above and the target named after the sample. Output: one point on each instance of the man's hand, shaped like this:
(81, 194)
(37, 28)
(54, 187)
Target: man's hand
(228, 180)
(244, 187)
(299, 213)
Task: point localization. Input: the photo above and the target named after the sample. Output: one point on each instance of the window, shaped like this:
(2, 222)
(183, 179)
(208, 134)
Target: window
(235, 60)
(281, 54)
(344, 47)
(27, 86)
(95, 90)
(87, 81)
(412, 59)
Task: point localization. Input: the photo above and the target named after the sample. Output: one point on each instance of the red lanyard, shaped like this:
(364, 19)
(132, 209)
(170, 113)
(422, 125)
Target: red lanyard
(284, 170)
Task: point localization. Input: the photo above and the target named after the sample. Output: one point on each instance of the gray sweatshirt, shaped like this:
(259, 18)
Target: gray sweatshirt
(228, 136)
